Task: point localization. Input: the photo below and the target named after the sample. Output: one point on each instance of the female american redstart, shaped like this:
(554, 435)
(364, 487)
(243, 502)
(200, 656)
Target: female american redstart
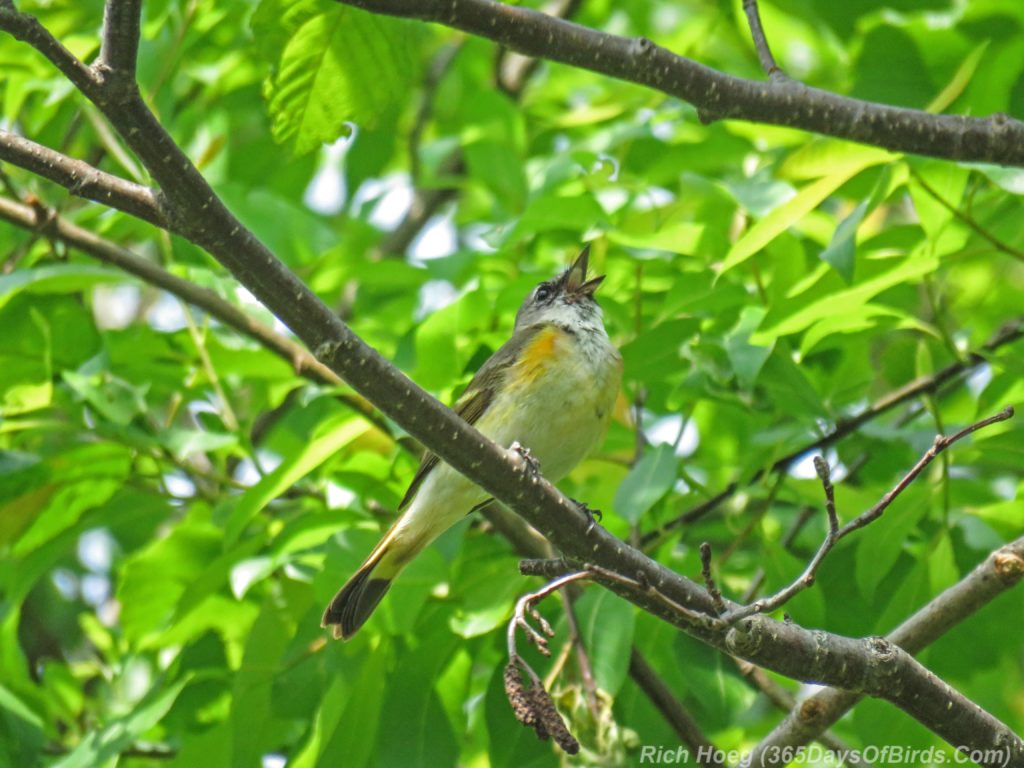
(551, 388)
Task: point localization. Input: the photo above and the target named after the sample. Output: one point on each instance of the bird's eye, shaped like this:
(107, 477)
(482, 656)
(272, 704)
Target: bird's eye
(543, 293)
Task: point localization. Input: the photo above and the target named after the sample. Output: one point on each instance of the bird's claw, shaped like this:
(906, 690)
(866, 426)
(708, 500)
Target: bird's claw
(532, 464)
(593, 515)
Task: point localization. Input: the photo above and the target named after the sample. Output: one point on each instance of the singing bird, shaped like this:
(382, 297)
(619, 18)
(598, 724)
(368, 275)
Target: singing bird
(551, 388)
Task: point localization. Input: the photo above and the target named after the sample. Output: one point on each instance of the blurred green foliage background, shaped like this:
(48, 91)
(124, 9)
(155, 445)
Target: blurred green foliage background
(178, 506)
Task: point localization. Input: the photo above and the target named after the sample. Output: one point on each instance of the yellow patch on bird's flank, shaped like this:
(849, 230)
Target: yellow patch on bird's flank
(538, 353)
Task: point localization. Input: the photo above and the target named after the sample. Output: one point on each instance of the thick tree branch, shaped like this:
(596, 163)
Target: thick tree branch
(1000, 571)
(873, 666)
(200, 216)
(995, 139)
(82, 179)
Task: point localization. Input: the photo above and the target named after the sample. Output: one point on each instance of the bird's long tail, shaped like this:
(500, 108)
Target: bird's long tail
(355, 601)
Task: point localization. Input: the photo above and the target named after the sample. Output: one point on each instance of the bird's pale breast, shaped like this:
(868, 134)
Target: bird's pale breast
(557, 399)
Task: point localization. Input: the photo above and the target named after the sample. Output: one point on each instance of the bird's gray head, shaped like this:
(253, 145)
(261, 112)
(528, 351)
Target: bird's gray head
(567, 300)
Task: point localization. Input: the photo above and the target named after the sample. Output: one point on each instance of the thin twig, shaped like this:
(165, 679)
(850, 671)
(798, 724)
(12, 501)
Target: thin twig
(526, 604)
(967, 219)
(686, 728)
(941, 443)
(1008, 333)
(835, 533)
(764, 51)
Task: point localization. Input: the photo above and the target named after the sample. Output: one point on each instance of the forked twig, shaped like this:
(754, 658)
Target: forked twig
(836, 533)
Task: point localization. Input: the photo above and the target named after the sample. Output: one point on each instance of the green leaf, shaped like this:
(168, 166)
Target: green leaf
(851, 300)
(840, 252)
(115, 399)
(945, 181)
(442, 340)
(411, 701)
(655, 352)
(55, 278)
(650, 479)
(959, 82)
(883, 542)
(340, 65)
(26, 372)
(789, 213)
(252, 694)
(21, 731)
(332, 437)
(658, 229)
(348, 724)
(747, 359)
(551, 212)
(102, 746)
(606, 623)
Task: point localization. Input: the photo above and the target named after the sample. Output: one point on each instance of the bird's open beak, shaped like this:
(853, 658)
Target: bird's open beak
(577, 282)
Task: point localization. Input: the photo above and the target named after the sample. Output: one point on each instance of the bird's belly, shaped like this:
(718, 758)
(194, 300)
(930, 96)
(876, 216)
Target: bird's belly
(559, 416)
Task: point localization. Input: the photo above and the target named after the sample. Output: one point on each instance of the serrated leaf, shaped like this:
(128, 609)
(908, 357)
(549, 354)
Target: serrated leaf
(341, 65)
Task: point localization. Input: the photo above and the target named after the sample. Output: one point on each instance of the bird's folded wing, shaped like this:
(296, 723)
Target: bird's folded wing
(478, 396)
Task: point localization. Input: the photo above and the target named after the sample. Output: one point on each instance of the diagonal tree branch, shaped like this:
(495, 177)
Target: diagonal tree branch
(999, 572)
(199, 215)
(995, 139)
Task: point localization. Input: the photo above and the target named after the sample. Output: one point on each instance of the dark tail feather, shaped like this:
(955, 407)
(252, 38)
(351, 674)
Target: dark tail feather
(355, 601)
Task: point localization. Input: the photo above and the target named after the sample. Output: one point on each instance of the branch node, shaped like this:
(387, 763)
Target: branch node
(1009, 567)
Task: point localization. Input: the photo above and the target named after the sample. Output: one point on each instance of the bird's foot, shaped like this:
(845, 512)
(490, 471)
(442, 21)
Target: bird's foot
(532, 464)
(593, 515)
